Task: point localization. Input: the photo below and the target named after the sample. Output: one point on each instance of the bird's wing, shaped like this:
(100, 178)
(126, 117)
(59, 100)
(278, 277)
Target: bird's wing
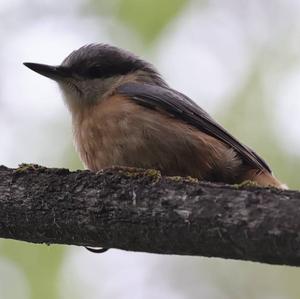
(183, 108)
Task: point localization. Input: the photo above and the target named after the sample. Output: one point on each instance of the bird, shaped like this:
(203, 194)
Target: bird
(125, 114)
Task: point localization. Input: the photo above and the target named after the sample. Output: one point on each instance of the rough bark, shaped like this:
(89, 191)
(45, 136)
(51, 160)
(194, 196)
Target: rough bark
(141, 211)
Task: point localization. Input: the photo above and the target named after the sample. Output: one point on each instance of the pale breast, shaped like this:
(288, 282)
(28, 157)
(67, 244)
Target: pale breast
(116, 131)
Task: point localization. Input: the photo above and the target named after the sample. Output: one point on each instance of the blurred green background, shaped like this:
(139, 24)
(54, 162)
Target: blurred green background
(238, 59)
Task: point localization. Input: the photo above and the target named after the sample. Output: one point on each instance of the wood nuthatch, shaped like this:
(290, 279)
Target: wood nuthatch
(125, 114)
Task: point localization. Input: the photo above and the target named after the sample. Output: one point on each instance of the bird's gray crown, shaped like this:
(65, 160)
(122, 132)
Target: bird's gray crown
(103, 61)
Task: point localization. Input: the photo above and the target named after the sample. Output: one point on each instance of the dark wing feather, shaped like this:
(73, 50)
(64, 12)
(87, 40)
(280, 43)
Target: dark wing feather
(185, 109)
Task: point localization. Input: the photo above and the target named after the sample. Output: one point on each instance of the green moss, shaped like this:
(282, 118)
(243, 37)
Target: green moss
(133, 172)
(175, 178)
(25, 167)
(191, 179)
(153, 174)
(187, 179)
(247, 184)
(129, 171)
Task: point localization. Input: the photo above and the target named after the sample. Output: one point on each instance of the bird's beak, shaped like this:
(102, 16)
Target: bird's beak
(56, 73)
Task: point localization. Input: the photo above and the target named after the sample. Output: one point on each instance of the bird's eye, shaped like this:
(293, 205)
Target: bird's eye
(94, 72)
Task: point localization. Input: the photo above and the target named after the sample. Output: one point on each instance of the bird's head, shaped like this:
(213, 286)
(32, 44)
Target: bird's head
(92, 71)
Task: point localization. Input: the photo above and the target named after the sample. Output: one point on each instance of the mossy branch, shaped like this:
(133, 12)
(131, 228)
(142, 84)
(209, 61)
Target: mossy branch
(139, 210)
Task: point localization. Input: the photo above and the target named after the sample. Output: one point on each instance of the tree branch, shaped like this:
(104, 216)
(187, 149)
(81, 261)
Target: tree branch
(141, 211)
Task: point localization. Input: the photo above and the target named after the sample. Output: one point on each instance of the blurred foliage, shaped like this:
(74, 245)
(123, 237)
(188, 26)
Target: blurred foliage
(40, 263)
(147, 18)
(234, 279)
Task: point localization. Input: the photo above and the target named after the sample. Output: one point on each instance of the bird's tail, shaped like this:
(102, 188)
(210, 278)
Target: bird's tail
(264, 179)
